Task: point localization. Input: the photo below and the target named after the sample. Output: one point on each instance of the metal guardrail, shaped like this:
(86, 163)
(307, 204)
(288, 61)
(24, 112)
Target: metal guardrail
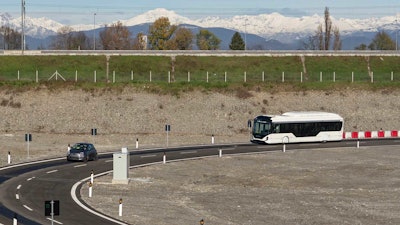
(270, 53)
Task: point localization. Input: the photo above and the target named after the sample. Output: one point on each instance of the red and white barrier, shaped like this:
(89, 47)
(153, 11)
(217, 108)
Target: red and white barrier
(371, 134)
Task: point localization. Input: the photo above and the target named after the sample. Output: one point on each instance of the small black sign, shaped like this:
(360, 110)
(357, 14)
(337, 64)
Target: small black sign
(28, 137)
(167, 127)
(56, 208)
(94, 131)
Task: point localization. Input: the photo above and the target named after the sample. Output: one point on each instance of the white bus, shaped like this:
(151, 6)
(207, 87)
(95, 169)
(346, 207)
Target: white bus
(292, 127)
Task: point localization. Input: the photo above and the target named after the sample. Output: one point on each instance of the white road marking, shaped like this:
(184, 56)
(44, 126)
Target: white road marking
(29, 179)
(147, 156)
(55, 221)
(188, 152)
(17, 196)
(28, 208)
(81, 165)
(108, 161)
(19, 187)
(51, 171)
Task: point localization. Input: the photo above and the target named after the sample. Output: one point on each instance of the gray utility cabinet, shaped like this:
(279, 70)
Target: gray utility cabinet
(121, 167)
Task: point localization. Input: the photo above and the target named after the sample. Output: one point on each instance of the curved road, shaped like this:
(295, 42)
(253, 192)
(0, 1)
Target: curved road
(25, 188)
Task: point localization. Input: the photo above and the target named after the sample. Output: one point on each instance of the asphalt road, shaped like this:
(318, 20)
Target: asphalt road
(25, 188)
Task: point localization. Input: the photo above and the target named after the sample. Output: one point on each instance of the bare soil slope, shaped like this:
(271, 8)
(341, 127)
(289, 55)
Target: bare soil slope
(56, 118)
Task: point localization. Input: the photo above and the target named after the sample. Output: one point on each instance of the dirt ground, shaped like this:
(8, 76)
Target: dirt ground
(59, 117)
(342, 186)
(320, 186)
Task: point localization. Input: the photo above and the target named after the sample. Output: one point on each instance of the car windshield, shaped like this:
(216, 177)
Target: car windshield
(80, 147)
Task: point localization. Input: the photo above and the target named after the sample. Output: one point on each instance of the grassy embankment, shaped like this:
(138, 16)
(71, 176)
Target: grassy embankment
(233, 69)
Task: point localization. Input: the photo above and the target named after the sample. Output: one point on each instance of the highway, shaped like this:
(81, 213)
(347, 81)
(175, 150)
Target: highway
(25, 188)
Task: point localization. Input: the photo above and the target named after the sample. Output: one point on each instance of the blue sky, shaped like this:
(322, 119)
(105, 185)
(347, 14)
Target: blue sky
(74, 11)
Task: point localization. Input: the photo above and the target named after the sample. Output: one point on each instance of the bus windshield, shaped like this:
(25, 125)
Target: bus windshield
(262, 127)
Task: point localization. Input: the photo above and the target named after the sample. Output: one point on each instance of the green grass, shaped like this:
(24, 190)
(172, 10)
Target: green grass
(201, 73)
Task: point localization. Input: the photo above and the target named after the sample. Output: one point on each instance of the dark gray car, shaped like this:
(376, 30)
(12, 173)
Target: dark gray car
(82, 152)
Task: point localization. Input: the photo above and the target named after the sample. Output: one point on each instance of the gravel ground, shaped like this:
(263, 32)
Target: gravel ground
(301, 187)
(58, 118)
(322, 186)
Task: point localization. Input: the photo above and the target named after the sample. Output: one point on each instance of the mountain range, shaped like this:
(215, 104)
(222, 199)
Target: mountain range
(264, 31)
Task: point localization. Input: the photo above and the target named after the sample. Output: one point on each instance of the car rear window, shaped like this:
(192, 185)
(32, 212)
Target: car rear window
(81, 147)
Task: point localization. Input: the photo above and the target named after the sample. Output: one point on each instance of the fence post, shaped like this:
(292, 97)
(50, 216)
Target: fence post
(334, 76)
(18, 75)
(95, 76)
(301, 77)
(188, 76)
(207, 76)
(245, 76)
(391, 76)
(372, 77)
(150, 76)
(283, 77)
(76, 75)
(320, 76)
(225, 76)
(131, 75)
(169, 77)
(37, 76)
(352, 77)
(263, 77)
(113, 76)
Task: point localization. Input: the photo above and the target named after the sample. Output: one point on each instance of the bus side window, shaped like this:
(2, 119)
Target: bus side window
(277, 128)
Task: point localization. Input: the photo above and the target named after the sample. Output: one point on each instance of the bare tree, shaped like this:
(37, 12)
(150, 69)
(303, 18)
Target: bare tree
(116, 37)
(62, 39)
(320, 37)
(182, 39)
(12, 39)
(337, 42)
(68, 39)
(328, 28)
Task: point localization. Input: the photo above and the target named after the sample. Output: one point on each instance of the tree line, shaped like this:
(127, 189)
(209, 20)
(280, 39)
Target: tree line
(163, 35)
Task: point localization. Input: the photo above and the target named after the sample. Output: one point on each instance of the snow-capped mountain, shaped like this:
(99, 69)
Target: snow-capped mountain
(269, 26)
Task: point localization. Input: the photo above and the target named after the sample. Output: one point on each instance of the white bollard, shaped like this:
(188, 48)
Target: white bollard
(284, 148)
(137, 143)
(90, 189)
(9, 158)
(212, 139)
(120, 207)
(15, 221)
(164, 158)
(220, 153)
(358, 143)
(91, 177)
